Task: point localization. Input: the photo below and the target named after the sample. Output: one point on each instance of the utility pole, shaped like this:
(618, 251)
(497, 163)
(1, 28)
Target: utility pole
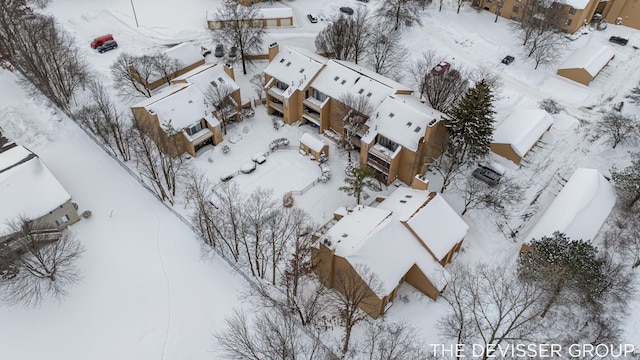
(134, 14)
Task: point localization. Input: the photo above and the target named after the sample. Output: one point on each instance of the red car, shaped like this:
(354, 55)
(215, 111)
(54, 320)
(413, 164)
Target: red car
(101, 40)
(441, 68)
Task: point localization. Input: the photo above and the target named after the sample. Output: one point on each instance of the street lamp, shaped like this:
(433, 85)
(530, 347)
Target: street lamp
(134, 13)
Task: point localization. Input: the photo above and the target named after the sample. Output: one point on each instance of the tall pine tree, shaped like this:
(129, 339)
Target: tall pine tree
(627, 181)
(470, 123)
(470, 126)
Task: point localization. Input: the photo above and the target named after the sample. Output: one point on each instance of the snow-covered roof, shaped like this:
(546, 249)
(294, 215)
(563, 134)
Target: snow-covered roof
(576, 4)
(335, 80)
(377, 239)
(313, 142)
(295, 67)
(403, 119)
(522, 129)
(580, 208)
(205, 76)
(590, 58)
(265, 11)
(187, 53)
(375, 76)
(182, 105)
(29, 187)
(435, 223)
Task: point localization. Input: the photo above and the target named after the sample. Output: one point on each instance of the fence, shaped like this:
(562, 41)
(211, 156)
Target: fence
(250, 280)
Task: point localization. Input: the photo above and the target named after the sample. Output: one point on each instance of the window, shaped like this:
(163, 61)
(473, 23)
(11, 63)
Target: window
(194, 129)
(408, 123)
(391, 115)
(516, 9)
(282, 86)
(213, 83)
(336, 78)
(572, 11)
(64, 219)
(387, 143)
(360, 91)
(319, 95)
(369, 94)
(281, 61)
(221, 80)
(342, 82)
(529, 12)
(417, 129)
(567, 22)
(301, 70)
(288, 64)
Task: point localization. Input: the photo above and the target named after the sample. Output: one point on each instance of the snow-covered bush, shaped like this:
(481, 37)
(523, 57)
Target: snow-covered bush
(550, 106)
(287, 200)
(225, 149)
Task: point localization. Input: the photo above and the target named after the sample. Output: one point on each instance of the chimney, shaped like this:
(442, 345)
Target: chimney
(228, 69)
(273, 50)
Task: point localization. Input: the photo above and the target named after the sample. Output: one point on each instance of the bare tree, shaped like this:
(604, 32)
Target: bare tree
(257, 211)
(229, 201)
(43, 266)
(355, 110)
(624, 236)
(478, 195)
(243, 28)
(441, 91)
(390, 341)
(104, 121)
(385, 53)
(400, 13)
(44, 54)
(160, 168)
(132, 74)
(165, 66)
(220, 97)
(489, 306)
(199, 193)
(270, 336)
(545, 47)
(257, 83)
(345, 38)
(619, 127)
(355, 288)
(459, 5)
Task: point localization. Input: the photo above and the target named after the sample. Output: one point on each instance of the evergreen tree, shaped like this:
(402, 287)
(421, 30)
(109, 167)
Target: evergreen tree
(564, 269)
(360, 179)
(470, 126)
(470, 123)
(627, 181)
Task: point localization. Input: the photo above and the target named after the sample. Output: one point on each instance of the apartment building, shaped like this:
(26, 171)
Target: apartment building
(304, 87)
(569, 15)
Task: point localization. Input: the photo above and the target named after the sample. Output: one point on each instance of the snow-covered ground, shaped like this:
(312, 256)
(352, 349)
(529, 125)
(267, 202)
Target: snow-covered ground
(147, 293)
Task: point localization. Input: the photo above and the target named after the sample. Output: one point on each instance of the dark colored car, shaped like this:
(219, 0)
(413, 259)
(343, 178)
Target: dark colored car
(508, 59)
(219, 51)
(618, 40)
(347, 10)
(312, 18)
(233, 52)
(364, 1)
(487, 175)
(108, 45)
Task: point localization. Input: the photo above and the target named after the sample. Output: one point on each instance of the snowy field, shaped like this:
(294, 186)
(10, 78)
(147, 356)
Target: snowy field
(148, 294)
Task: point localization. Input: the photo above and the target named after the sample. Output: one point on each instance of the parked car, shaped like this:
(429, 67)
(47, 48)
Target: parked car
(508, 59)
(233, 52)
(441, 68)
(347, 10)
(618, 40)
(487, 175)
(248, 168)
(364, 1)
(259, 158)
(312, 18)
(219, 51)
(101, 40)
(108, 45)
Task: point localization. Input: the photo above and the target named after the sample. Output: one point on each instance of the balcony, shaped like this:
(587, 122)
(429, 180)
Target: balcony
(199, 137)
(276, 105)
(378, 163)
(276, 93)
(381, 152)
(314, 103)
(311, 115)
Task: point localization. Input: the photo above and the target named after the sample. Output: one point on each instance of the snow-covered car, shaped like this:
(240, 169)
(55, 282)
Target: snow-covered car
(508, 59)
(618, 40)
(248, 168)
(312, 18)
(346, 10)
(226, 177)
(218, 51)
(487, 175)
(259, 158)
(441, 68)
